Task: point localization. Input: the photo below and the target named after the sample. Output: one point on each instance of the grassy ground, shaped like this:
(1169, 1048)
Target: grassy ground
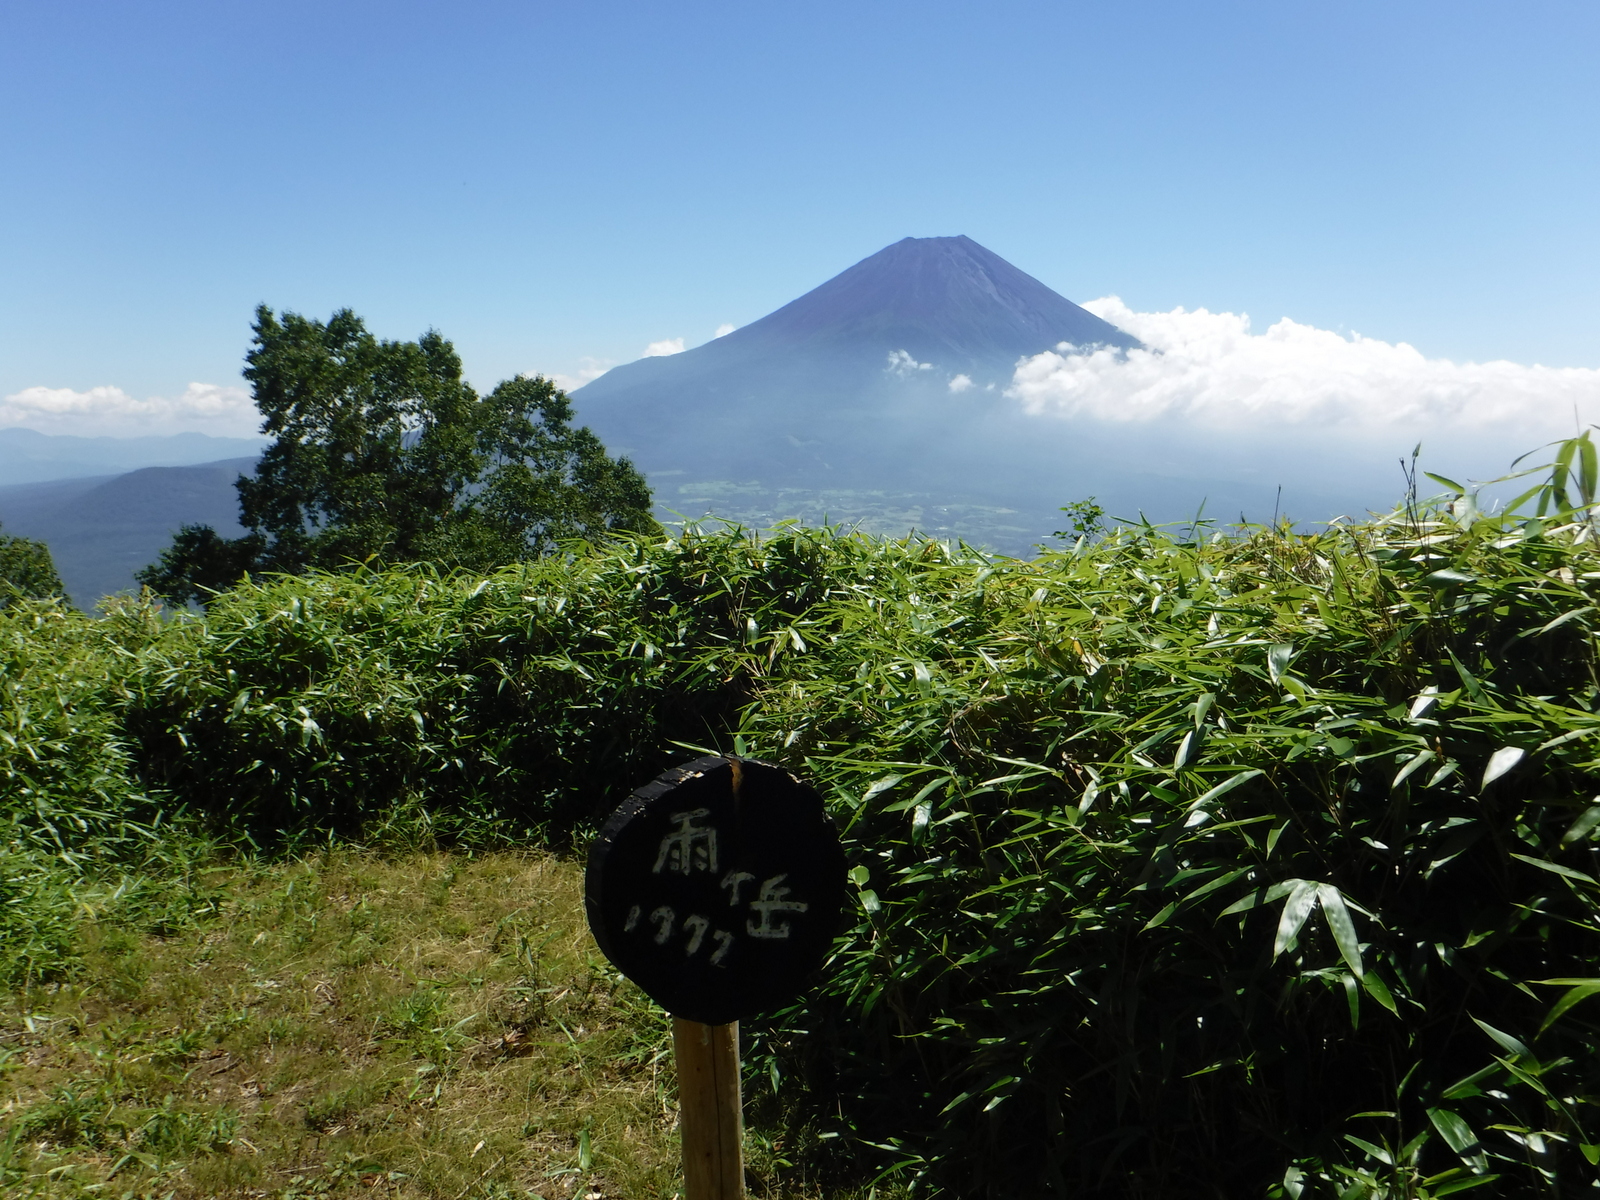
(423, 1025)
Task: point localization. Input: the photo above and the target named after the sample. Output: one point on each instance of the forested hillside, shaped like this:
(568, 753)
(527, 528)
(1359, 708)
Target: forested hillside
(1187, 861)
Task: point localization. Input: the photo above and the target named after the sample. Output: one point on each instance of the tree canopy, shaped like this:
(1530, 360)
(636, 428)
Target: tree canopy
(26, 569)
(383, 453)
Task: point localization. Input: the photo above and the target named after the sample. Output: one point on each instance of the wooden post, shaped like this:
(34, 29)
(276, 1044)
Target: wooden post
(709, 1109)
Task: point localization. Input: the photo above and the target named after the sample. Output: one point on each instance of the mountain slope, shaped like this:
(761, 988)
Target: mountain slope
(879, 397)
(101, 530)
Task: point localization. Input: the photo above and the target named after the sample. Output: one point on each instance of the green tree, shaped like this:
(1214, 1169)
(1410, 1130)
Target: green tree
(26, 569)
(383, 453)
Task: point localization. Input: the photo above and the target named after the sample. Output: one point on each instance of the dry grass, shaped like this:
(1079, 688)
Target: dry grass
(429, 1025)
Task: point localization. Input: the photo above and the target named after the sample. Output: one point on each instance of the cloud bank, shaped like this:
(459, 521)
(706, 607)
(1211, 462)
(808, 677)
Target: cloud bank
(110, 411)
(1208, 370)
(664, 347)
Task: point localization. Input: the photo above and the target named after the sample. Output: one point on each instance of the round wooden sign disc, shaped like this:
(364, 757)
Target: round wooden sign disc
(717, 888)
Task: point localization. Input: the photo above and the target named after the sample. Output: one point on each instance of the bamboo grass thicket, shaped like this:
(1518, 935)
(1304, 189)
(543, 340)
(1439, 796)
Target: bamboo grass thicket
(1197, 861)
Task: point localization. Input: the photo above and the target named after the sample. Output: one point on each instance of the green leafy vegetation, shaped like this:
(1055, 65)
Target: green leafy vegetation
(26, 570)
(383, 453)
(1195, 861)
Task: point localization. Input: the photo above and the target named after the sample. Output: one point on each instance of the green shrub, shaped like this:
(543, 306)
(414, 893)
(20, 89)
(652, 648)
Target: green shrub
(38, 926)
(1214, 865)
(65, 784)
(78, 836)
(535, 699)
(65, 777)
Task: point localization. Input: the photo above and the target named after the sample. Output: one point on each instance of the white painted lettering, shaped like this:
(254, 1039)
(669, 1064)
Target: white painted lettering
(696, 927)
(689, 847)
(732, 881)
(663, 917)
(772, 902)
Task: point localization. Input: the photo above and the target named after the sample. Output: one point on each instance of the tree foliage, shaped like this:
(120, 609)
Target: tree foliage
(384, 453)
(27, 570)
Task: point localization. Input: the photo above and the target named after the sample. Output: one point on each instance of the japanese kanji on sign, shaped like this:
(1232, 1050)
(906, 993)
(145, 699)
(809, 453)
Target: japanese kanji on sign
(717, 888)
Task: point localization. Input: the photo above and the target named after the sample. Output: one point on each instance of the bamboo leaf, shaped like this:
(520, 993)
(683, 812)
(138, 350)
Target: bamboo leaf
(1206, 799)
(1583, 825)
(879, 786)
(1450, 1187)
(1220, 881)
(1581, 990)
(1417, 761)
(1504, 1040)
(1260, 897)
(1570, 615)
(1500, 762)
(1161, 917)
(1379, 991)
(1555, 868)
(1587, 469)
(1426, 699)
(1185, 752)
(1458, 1135)
(1341, 926)
(1296, 908)
(1376, 1152)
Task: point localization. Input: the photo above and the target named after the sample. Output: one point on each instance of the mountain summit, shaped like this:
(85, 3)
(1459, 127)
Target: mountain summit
(945, 298)
(855, 388)
(946, 302)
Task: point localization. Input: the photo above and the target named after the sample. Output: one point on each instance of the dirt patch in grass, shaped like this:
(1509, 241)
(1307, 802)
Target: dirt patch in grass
(425, 1025)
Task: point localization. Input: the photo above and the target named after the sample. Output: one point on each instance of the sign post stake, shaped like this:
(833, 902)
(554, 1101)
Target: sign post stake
(717, 888)
(709, 1109)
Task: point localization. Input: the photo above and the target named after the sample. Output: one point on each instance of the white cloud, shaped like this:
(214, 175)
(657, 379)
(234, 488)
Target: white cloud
(902, 363)
(961, 383)
(724, 329)
(110, 411)
(664, 347)
(1207, 369)
(589, 370)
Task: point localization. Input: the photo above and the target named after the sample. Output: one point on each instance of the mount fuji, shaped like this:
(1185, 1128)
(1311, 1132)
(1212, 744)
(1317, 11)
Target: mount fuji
(880, 398)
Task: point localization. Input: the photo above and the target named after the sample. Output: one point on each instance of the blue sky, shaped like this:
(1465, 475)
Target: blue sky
(549, 183)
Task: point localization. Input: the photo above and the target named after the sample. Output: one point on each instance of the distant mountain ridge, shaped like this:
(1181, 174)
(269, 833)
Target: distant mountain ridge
(28, 456)
(101, 529)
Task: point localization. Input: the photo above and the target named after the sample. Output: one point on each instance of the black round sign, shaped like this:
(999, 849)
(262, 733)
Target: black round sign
(717, 888)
